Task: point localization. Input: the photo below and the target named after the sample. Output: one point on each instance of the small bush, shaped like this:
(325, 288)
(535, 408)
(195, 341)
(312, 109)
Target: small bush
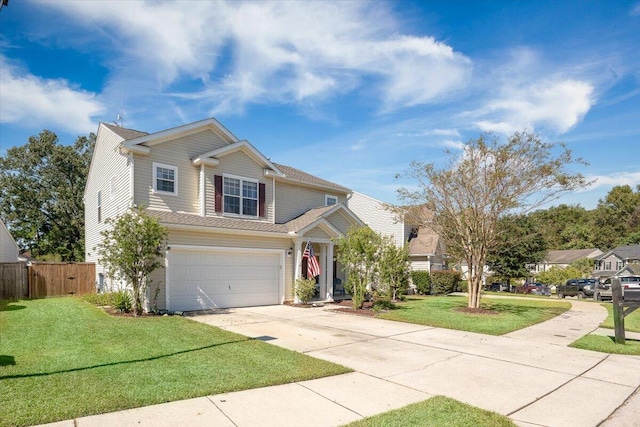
(383, 304)
(102, 298)
(463, 286)
(422, 281)
(444, 282)
(123, 301)
(305, 289)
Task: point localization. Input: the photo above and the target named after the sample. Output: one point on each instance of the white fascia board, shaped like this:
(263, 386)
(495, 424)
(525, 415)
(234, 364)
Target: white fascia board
(314, 185)
(168, 134)
(127, 148)
(249, 149)
(200, 160)
(322, 223)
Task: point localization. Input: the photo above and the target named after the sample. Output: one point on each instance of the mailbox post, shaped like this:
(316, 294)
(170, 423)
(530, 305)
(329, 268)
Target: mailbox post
(623, 305)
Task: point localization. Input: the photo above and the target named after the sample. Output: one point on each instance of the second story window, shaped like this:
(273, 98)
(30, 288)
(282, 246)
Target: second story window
(165, 179)
(240, 196)
(330, 200)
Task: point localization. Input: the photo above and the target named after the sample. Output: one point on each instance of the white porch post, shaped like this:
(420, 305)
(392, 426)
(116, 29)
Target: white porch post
(324, 287)
(297, 267)
(329, 261)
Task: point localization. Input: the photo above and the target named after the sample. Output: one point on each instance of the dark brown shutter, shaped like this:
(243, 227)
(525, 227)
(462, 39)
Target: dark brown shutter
(217, 181)
(261, 198)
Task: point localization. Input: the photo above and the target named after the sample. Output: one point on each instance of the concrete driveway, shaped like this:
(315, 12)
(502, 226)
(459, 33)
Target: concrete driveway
(528, 375)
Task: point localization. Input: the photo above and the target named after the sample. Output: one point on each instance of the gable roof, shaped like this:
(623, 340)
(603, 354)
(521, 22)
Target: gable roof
(124, 133)
(298, 176)
(244, 146)
(625, 253)
(427, 242)
(570, 255)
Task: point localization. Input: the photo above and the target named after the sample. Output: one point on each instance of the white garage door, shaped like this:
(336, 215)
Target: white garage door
(202, 278)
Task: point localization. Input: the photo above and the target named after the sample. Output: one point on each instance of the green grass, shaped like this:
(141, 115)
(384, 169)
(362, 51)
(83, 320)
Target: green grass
(512, 314)
(631, 322)
(63, 358)
(606, 344)
(513, 294)
(439, 411)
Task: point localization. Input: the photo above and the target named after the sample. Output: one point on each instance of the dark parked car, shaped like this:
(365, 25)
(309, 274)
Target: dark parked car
(581, 288)
(534, 289)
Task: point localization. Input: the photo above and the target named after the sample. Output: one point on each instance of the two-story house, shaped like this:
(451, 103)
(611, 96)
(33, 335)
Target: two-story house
(613, 262)
(238, 223)
(563, 258)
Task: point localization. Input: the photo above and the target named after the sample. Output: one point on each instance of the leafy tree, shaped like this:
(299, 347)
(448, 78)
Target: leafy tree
(487, 181)
(564, 226)
(132, 248)
(556, 275)
(583, 266)
(518, 243)
(616, 217)
(41, 200)
(394, 267)
(358, 253)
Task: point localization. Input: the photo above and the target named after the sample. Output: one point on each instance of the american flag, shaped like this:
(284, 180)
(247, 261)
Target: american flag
(313, 268)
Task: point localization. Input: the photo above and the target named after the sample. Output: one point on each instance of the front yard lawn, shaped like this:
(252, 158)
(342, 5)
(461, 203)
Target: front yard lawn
(439, 411)
(631, 322)
(507, 314)
(606, 344)
(63, 358)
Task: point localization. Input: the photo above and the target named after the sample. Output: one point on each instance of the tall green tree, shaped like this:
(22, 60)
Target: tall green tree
(394, 267)
(519, 243)
(564, 226)
(132, 248)
(616, 217)
(41, 200)
(488, 180)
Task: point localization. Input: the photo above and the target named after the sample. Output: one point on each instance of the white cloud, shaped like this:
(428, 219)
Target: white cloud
(635, 10)
(259, 52)
(556, 103)
(439, 132)
(32, 101)
(631, 179)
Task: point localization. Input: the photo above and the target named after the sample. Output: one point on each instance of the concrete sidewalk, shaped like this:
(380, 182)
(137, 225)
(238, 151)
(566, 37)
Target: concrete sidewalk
(523, 375)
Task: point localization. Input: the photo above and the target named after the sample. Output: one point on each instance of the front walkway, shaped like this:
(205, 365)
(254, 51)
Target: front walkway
(533, 382)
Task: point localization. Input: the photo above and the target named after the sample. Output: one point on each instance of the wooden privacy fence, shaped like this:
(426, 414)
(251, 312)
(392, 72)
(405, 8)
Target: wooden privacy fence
(46, 279)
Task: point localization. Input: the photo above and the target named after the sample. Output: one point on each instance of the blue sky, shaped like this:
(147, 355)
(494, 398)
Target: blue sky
(349, 91)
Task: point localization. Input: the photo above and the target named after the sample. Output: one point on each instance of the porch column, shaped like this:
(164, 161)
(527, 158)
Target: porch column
(329, 269)
(297, 268)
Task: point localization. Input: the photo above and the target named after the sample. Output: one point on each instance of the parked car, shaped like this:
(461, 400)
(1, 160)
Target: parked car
(580, 288)
(630, 284)
(534, 289)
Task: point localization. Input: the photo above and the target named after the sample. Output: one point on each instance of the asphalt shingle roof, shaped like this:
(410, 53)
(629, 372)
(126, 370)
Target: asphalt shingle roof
(124, 132)
(300, 176)
(568, 256)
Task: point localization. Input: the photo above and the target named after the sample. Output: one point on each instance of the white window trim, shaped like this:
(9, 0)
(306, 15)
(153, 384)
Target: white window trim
(330, 196)
(155, 179)
(242, 179)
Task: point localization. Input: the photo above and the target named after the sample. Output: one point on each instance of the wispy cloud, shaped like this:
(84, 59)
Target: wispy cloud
(32, 101)
(631, 179)
(635, 10)
(276, 52)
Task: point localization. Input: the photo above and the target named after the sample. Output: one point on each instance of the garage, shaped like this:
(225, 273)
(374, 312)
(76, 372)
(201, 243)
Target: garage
(201, 278)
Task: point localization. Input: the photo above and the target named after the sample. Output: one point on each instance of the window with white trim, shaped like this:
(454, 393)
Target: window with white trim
(330, 200)
(165, 179)
(240, 196)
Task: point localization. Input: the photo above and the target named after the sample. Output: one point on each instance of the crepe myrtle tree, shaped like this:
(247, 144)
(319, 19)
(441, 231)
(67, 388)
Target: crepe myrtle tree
(357, 251)
(484, 182)
(132, 248)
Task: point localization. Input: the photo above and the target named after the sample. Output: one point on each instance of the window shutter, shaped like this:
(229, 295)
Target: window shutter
(217, 181)
(261, 198)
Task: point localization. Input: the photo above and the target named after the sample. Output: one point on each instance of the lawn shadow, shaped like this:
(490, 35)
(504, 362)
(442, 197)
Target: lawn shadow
(611, 337)
(124, 362)
(4, 305)
(6, 360)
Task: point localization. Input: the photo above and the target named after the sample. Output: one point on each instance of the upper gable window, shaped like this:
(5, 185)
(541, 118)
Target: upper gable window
(240, 196)
(165, 179)
(330, 200)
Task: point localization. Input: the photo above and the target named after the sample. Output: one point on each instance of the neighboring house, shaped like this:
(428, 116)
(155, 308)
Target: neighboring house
(238, 223)
(563, 258)
(374, 213)
(614, 261)
(427, 249)
(8, 247)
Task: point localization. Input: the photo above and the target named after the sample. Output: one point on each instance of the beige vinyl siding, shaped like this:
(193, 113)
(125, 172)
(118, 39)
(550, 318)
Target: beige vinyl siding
(107, 165)
(241, 165)
(8, 247)
(193, 238)
(317, 233)
(294, 200)
(341, 222)
(372, 212)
